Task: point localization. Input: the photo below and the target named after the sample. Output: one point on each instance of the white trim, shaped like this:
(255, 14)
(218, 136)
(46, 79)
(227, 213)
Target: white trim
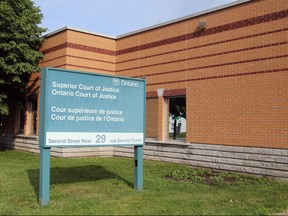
(78, 30)
(93, 138)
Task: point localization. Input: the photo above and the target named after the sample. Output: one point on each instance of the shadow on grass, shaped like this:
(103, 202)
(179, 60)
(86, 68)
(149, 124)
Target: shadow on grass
(66, 175)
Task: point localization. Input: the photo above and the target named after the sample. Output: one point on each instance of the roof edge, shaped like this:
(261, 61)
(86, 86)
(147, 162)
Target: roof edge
(77, 30)
(231, 4)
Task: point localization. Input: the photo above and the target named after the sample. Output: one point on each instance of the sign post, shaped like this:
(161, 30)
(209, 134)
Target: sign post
(138, 167)
(44, 186)
(87, 109)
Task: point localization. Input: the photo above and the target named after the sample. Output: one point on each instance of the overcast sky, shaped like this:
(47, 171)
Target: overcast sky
(116, 17)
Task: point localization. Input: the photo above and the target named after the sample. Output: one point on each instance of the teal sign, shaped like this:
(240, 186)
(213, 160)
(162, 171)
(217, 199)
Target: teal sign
(87, 109)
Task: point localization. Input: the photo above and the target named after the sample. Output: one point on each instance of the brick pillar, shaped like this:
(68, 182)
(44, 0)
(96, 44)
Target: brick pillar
(162, 116)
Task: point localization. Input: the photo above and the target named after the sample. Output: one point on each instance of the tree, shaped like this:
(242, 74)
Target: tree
(20, 41)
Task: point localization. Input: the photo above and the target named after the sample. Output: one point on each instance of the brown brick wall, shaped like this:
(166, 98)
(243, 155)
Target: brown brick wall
(242, 110)
(234, 73)
(76, 50)
(92, 53)
(54, 50)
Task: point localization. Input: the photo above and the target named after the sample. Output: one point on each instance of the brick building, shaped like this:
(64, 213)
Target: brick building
(229, 62)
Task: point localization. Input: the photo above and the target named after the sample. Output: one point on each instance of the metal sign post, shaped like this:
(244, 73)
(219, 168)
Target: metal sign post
(87, 109)
(138, 167)
(44, 185)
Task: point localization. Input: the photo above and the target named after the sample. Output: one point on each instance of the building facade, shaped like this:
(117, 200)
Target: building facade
(230, 63)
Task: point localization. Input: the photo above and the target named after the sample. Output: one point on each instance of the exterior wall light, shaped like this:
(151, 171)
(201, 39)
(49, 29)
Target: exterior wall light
(202, 25)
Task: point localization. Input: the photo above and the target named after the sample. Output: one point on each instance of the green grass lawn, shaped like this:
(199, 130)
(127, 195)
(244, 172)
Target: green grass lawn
(81, 186)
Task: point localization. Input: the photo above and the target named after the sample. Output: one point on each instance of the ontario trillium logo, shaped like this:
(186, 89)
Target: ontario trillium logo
(116, 81)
